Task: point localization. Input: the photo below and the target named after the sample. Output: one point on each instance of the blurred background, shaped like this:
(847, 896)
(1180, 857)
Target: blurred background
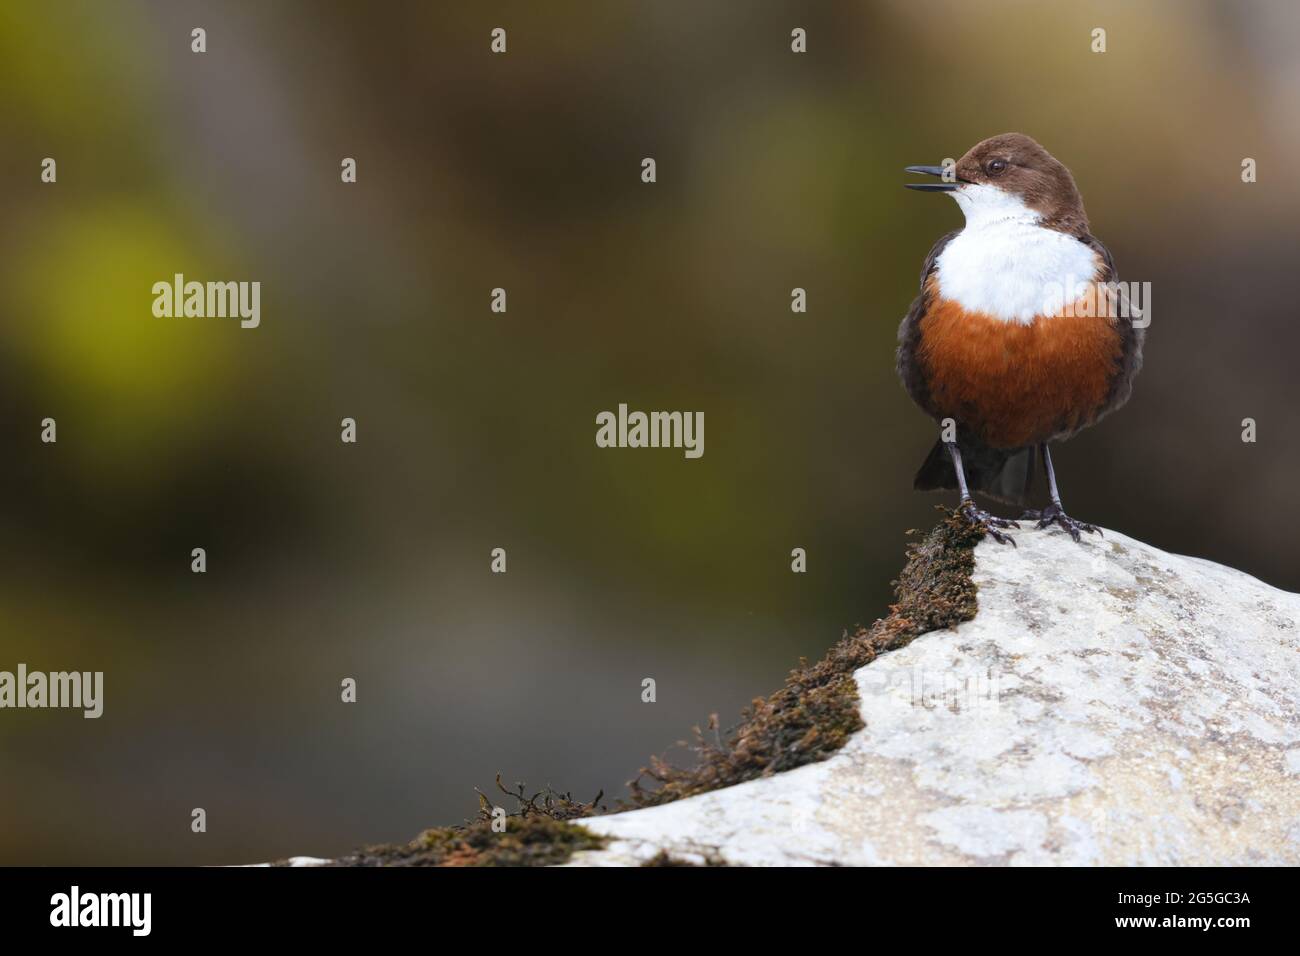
(476, 430)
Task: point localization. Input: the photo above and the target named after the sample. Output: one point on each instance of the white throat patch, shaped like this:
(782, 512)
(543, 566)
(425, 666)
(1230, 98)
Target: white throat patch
(1005, 264)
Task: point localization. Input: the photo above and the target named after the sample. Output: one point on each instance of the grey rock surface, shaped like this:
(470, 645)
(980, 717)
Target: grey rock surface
(1109, 704)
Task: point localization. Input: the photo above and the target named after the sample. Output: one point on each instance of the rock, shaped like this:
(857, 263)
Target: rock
(1109, 704)
(295, 861)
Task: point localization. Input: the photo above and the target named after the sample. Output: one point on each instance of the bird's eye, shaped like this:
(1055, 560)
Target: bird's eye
(996, 166)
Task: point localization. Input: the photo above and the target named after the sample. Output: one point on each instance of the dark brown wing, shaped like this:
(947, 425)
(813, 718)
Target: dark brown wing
(909, 333)
(1131, 337)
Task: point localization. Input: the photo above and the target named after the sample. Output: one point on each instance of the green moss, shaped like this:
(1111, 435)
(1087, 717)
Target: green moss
(664, 858)
(535, 841)
(537, 833)
(817, 710)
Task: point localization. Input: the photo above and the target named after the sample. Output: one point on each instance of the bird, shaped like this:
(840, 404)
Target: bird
(1017, 338)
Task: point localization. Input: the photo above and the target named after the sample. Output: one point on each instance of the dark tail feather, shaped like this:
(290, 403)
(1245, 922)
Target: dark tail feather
(936, 472)
(1005, 476)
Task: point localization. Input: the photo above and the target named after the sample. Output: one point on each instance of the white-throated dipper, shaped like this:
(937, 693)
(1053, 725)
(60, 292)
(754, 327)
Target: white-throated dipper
(1017, 336)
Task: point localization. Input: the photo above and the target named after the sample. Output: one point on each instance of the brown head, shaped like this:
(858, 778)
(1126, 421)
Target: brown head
(1012, 165)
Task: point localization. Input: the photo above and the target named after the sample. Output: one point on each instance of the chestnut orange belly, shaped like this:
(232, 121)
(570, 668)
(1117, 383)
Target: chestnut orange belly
(1014, 384)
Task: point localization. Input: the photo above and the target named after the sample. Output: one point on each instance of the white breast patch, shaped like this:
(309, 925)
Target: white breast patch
(1005, 265)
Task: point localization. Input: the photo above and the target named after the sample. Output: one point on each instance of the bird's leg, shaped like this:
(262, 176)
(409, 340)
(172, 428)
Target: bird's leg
(976, 515)
(1054, 513)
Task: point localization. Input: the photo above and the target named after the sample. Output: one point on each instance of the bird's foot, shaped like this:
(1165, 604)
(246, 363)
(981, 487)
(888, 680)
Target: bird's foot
(1053, 514)
(988, 523)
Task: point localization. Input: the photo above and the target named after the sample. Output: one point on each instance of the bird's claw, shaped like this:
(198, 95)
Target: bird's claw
(1053, 514)
(988, 523)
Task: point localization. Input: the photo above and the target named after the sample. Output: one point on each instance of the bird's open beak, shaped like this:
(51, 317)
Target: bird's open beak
(932, 187)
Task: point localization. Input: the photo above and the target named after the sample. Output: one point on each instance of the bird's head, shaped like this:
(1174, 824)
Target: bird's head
(1010, 177)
